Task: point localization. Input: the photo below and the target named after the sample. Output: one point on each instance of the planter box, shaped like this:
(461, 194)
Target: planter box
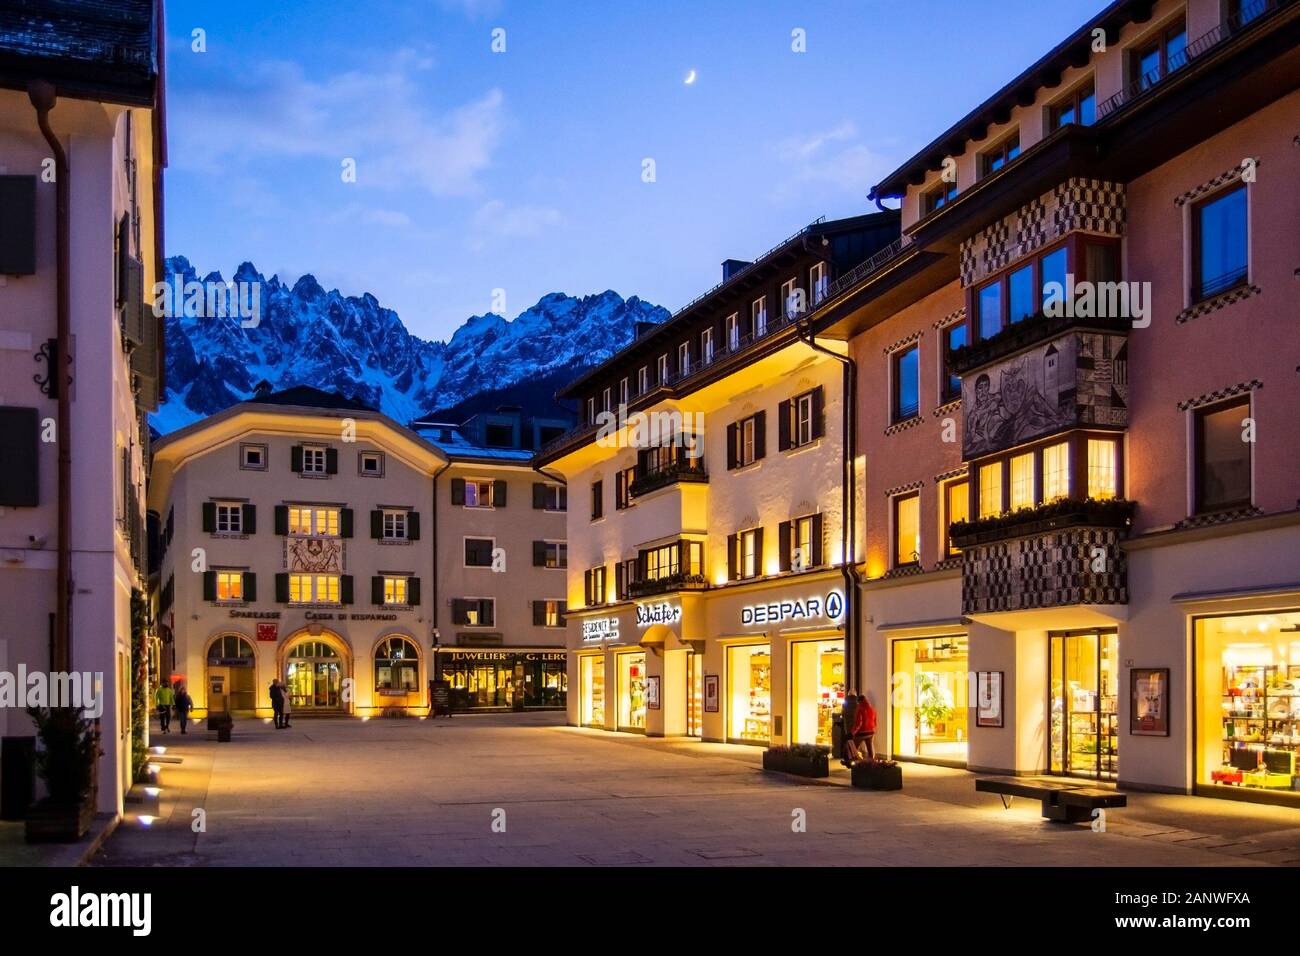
(799, 766)
(877, 776)
(59, 824)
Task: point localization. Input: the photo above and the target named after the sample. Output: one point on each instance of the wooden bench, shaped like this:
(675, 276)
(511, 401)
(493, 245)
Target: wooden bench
(1063, 802)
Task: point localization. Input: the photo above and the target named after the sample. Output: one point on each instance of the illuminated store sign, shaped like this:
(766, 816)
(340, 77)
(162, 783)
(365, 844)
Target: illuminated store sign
(600, 629)
(779, 612)
(661, 613)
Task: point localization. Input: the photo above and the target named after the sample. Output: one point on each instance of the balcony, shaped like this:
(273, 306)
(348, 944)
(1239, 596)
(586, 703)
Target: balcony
(1056, 516)
(682, 470)
(666, 584)
(1024, 334)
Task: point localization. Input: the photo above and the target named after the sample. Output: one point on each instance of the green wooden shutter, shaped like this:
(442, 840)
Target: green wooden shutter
(819, 412)
(282, 588)
(539, 613)
(458, 491)
(209, 585)
(498, 494)
(539, 495)
(783, 426)
(783, 542)
(345, 588)
(281, 519)
(377, 589)
(733, 566)
(249, 519)
(413, 526)
(413, 591)
(345, 522)
(376, 524)
(331, 461)
(209, 517)
(733, 444)
(815, 559)
(760, 435)
(295, 458)
(250, 586)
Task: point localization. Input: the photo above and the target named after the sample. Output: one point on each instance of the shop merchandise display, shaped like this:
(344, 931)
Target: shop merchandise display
(1261, 728)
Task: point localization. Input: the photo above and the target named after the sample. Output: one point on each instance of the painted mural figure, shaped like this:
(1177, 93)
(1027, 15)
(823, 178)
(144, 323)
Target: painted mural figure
(1021, 408)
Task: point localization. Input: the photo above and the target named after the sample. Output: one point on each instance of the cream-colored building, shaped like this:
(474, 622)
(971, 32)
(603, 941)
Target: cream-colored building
(310, 539)
(74, 450)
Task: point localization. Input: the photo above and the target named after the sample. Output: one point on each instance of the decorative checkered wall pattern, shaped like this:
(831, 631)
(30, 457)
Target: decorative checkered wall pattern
(1086, 205)
(1044, 571)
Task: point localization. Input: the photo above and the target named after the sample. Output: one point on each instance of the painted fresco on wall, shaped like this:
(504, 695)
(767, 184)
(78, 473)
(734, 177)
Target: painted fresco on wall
(314, 555)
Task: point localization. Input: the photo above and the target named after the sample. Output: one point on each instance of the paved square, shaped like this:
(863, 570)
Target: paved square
(408, 792)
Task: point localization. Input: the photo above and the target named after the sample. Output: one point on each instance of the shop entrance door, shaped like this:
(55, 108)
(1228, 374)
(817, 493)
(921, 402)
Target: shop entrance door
(694, 694)
(314, 673)
(1084, 703)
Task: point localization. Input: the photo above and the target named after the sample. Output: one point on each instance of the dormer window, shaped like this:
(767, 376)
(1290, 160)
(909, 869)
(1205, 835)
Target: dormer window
(1158, 57)
(591, 411)
(642, 380)
(662, 369)
(938, 197)
(1079, 107)
(819, 281)
(733, 331)
(994, 159)
(758, 317)
(684, 358)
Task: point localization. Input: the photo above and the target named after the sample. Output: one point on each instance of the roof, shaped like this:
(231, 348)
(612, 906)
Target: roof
(1074, 51)
(309, 397)
(84, 47)
(458, 446)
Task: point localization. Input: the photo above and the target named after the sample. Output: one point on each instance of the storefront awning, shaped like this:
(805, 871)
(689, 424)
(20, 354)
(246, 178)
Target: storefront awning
(1238, 594)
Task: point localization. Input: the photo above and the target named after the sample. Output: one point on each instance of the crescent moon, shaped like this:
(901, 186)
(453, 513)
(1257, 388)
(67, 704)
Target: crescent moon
(690, 78)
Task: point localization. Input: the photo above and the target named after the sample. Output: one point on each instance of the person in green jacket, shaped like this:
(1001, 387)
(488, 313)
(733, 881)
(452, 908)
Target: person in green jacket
(163, 698)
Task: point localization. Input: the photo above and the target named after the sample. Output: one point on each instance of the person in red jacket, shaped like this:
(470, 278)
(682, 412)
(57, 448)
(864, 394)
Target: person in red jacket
(864, 728)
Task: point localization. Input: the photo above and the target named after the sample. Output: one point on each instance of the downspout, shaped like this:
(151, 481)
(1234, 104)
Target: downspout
(43, 98)
(433, 534)
(848, 512)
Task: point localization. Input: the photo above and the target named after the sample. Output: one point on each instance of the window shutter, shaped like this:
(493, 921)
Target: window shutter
(539, 554)
(209, 585)
(498, 494)
(539, 613)
(459, 611)
(413, 526)
(250, 586)
(586, 586)
(733, 445)
(249, 519)
(345, 588)
(487, 611)
(562, 608)
(376, 524)
(620, 581)
(815, 559)
(413, 591)
(209, 517)
(760, 435)
(345, 522)
(458, 491)
(758, 551)
(539, 495)
(783, 426)
(377, 589)
(642, 462)
(331, 461)
(819, 412)
(295, 458)
(783, 542)
(282, 588)
(733, 566)
(19, 450)
(281, 519)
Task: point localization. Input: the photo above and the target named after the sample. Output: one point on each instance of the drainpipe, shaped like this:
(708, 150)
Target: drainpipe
(43, 98)
(848, 513)
(433, 534)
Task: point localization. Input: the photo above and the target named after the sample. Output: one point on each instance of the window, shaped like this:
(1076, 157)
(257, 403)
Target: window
(596, 585)
(1222, 457)
(371, 464)
(747, 441)
(1022, 297)
(230, 517)
(1160, 56)
(994, 159)
(758, 317)
(397, 666)
(313, 460)
(988, 308)
(938, 197)
(661, 370)
(552, 613)
(819, 282)
(1241, 12)
(597, 500)
(1016, 295)
(907, 530)
(623, 391)
(956, 507)
(479, 493)
(733, 331)
(314, 589)
(751, 557)
(314, 522)
(954, 337)
(804, 547)
(661, 562)
(642, 380)
(395, 589)
(684, 358)
(622, 487)
(230, 585)
(803, 433)
(394, 524)
(550, 554)
(706, 346)
(252, 457)
(478, 552)
(1079, 107)
(906, 382)
(474, 612)
(790, 298)
(801, 420)
(1053, 269)
(551, 497)
(1103, 473)
(990, 489)
(1022, 481)
(591, 411)
(1219, 243)
(1056, 472)
(605, 400)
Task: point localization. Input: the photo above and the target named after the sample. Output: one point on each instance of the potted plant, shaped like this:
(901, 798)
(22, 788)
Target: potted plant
(68, 747)
(932, 706)
(877, 774)
(803, 760)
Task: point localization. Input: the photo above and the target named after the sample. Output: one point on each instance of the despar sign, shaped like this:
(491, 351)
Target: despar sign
(778, 612)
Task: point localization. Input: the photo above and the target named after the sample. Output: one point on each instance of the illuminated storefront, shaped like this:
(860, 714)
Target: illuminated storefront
(694, 694)
(631, 692)
(749, 693)
(1247, 708)
(930, 694)
(1084, 704)
(591, 669)
(496, 680)
(816, 689)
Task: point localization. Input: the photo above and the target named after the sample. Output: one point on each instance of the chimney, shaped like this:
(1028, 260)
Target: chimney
(642, 328)
(262, 389)
(731, 266)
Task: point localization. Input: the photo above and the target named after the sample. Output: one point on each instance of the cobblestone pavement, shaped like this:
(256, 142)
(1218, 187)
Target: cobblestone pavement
(526, 790)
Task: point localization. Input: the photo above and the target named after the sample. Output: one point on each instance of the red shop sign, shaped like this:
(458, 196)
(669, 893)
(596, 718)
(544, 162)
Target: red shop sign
(268, 632)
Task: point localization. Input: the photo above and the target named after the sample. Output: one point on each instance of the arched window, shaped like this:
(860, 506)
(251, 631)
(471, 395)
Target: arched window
(397, 666)
(230, 647)
(313, 649)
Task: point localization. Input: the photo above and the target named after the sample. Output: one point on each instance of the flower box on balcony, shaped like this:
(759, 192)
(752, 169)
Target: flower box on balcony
(673, 582)
(1023, 334)
(802, 760)
(1065, 513)
(662, 478)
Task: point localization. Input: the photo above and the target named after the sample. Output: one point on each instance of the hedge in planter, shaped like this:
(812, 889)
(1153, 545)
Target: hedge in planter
(803, 760)
(877, 775)
(65, 760)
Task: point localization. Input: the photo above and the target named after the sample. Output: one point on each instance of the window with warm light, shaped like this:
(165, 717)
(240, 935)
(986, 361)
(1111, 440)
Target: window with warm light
(750, 558)
(1056, 472)
(990, 490)
(395, 590)
(1022, 481)
(313, 589)
(1103, 477)
(956, 502)
(230, 585)
(314, 522)
(907, 530)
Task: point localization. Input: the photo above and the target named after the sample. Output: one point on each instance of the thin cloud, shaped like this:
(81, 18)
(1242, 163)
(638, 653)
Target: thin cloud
(835, 157)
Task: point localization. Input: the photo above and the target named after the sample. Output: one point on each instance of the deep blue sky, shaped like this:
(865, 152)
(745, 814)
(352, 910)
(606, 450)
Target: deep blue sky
(522, 170)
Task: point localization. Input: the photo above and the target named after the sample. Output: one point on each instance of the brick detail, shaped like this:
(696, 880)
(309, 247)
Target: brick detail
(902, 489)
(1215, 303)
(903, 426)
(951, 318)
(1220, 394)
(1044, 571)
(904, 342)
(1231, 175)
(1220, 517)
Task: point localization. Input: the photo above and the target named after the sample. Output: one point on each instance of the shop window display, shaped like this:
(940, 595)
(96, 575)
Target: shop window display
(1084, 704)
(1247, 703)
(592, 670)
(694, 694)
(930, 695)
(631, 696)
(816, 690)
(749, 693)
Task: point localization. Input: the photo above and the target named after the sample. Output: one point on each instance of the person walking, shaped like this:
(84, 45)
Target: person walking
(287, 699)
(849, 711)
(183, 704)
(163, 698)
(277, 703)
(864, 729)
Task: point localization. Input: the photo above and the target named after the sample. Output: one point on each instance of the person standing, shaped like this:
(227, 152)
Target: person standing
(183, 704)
(864, 728)
(277, 703)
(849, 714)
(287, 704)
(163, 698)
